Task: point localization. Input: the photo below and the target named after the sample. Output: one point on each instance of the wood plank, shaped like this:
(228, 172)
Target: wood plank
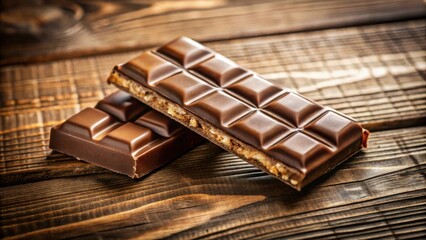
(209, 193)
(377, 77)
(55, 30)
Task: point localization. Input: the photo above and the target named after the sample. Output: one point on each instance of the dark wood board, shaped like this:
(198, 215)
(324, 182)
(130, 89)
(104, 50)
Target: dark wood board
(374, 73)
(48, 30)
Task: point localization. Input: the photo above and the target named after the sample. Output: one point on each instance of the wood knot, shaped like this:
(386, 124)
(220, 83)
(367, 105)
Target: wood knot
(36, 20)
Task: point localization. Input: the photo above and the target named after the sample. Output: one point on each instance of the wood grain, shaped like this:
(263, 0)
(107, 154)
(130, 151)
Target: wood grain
(39, 31)
(209, 193)
(51, 52)
(379, 79)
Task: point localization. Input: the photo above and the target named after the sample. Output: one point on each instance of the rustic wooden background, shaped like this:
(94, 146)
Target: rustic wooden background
(365, 58)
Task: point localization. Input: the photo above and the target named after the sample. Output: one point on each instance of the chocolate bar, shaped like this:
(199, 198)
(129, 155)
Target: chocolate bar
(123, 135)
(276, 129)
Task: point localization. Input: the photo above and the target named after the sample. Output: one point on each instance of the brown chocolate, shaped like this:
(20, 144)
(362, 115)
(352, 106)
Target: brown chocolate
(123, 135)
(276, 129)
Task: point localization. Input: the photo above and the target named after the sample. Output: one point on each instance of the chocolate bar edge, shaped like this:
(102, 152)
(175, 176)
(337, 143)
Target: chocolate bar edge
(285, 173)
(58, 144)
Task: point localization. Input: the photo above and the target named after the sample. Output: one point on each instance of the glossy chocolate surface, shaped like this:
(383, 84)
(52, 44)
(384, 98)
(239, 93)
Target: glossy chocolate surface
(123, 135)
(279, 122)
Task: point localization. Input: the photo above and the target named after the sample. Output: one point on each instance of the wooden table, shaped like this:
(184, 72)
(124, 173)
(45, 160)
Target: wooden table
(365, 58)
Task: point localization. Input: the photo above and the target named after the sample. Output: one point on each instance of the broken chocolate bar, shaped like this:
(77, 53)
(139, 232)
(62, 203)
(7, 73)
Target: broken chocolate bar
(276, 129)
(123, 135)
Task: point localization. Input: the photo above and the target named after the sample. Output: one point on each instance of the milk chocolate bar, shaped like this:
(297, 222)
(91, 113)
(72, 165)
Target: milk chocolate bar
(123, 135)
(278, 130)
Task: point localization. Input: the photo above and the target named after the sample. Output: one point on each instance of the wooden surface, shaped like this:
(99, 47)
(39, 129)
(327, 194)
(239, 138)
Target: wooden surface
(72, 29)
(372, 67)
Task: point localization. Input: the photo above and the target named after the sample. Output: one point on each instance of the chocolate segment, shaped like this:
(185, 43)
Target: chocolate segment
(159, 123)
(220, 70)
(122, 106)
(255, 89)
(123, 135)
(186, 52)
(276, 129)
